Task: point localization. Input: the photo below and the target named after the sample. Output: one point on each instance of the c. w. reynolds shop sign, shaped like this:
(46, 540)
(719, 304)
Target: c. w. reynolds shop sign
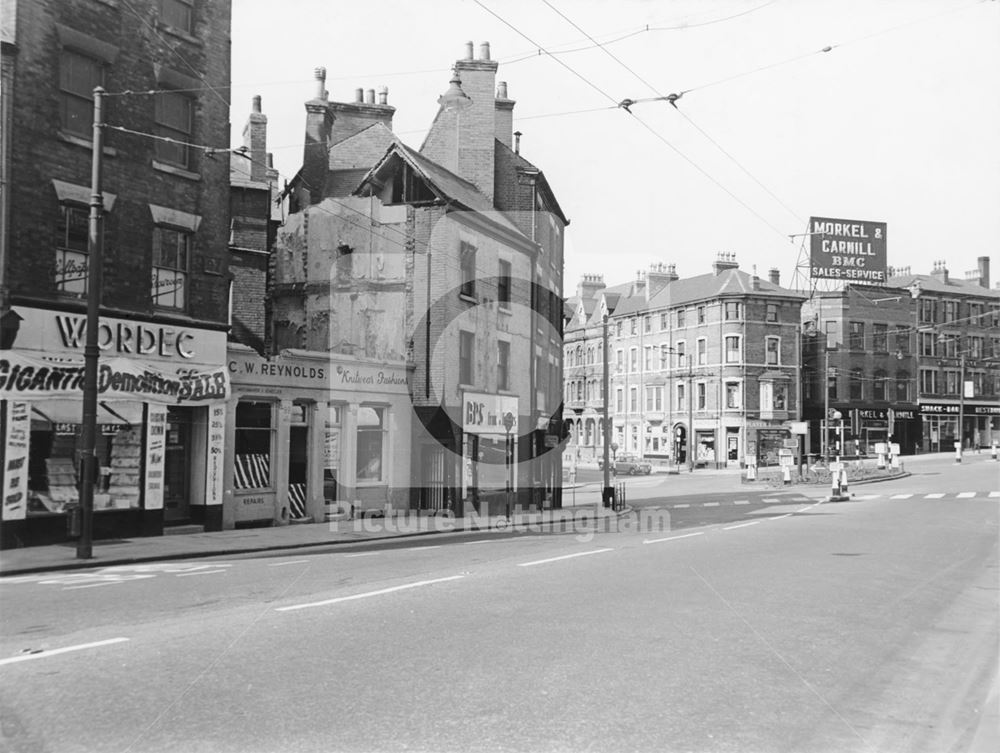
(317, 371)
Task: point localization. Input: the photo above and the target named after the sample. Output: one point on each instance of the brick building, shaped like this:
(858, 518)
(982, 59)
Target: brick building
(446, 262)
(957, 330)
(858, 344)
(707, 365)
(164, 232)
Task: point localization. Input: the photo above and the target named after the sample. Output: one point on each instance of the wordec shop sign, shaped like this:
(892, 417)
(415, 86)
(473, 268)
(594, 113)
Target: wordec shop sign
(851, 250)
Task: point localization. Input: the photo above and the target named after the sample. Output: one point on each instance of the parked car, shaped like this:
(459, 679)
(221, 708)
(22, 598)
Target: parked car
(628, 465)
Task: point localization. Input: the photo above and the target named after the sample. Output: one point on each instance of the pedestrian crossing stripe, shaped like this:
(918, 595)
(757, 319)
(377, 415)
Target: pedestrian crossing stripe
(934, 496)
(900, 496)
(966, 495)
(995, 494)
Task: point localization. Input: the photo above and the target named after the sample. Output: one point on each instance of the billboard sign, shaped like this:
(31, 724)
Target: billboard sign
(850, 250)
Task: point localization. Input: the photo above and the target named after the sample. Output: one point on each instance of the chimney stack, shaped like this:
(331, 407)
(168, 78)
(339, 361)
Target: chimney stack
(940, 271)
(658, 277)
(504, 115)
(984, 271)
(319, 123)
(774, 277)
(351, 118)
(725, 260)
(463, 139)
(255, 141)
(590, 285)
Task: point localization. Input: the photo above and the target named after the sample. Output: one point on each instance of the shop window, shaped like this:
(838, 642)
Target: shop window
(331, 451)
(177, 14)
(171, 256)
(371, 444)
(254, 443)
(71, 250)
(174, 115)
(773, 351)
(503, 365)
(467, 259)
(78, 75)
(466, 346)
(503, 284)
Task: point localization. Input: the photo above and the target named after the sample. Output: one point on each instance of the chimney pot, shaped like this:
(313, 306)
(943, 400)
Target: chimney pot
(502, 90)
(383, 95)
(484, 51)
(256, 103)
(359, 95)
(468, 50)
(320, 75)
(517, 142)
(370, 97)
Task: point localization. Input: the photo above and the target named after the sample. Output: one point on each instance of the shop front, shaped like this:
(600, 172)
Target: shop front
(490, 445)
(980, 424)
(314, 434)
(160, 413)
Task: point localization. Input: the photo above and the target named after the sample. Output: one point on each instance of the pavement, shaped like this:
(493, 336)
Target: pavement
(38, 559)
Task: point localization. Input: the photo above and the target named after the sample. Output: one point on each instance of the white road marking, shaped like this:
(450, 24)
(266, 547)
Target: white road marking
(937, 495)
(201, 572)
(742, 502)
(995, 494)
(45, 654)
(966, 495)
(868, 496)
(770, 500)
(432, 546)
(674, 538)
(363, 554)
(288, 562)
(779, 517)
(95, 585)
(900, 496)
(564, 557)
(681, 505)
(741, 525)
(483, 541)
(710, 504)
(366, 594)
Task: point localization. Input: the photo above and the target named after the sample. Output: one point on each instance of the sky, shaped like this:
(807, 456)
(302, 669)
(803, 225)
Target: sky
(897, 122)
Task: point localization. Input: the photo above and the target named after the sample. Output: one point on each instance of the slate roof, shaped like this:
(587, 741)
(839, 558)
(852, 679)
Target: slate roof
(727, 282)
(932, 284)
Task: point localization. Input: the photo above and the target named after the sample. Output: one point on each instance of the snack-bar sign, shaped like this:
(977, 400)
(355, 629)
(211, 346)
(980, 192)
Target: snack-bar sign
(852, 250)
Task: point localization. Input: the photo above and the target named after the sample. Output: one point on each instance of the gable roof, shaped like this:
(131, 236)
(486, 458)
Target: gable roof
(442, 182)
(501, 151)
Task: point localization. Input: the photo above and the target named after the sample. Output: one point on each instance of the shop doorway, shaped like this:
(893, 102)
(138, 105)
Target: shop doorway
(298, 461)
(177, 467)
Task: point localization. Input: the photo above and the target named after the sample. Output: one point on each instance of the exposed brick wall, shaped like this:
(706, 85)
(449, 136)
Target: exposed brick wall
(40, 154)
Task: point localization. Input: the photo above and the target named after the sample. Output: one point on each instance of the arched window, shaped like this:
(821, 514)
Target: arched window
(879, 385)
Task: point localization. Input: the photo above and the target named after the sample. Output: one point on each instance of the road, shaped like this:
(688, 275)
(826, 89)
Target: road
(788, 625)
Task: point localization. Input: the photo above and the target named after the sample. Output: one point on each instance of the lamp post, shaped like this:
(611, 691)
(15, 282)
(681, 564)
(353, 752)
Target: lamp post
(608, 490)
(91, 352)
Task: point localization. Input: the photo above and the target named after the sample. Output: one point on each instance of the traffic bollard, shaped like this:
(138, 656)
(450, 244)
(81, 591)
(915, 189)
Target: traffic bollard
(786, 473)
(834, 484)
(958, 452)
(993, 451)
(843, 483)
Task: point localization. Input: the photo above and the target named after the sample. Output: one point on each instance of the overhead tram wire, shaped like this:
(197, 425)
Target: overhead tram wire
(645, 125)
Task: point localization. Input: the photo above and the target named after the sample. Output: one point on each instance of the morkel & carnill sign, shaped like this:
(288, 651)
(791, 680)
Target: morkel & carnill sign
(852, 250)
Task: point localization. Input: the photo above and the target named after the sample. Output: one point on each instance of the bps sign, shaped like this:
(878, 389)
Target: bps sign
(851, 250)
